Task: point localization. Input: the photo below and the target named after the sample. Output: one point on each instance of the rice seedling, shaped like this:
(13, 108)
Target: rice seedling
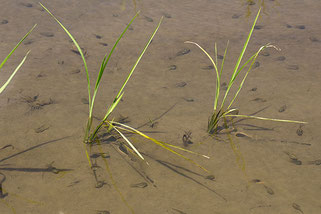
(3, 87)
(220, 111)
(91, 136)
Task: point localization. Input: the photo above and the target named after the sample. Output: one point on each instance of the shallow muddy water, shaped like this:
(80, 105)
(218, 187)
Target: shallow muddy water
(264, 167)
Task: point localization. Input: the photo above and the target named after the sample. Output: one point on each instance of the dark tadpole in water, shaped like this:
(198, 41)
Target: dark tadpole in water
(181, 84)
(183, 52)
(4, 22)
(280, 58)
(301, 27)
(47, 34)
(297, 207)
(172, 67)
(282, 108)
(293, 67)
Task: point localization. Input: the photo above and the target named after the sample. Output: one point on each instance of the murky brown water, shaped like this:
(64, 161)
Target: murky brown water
(270, 168)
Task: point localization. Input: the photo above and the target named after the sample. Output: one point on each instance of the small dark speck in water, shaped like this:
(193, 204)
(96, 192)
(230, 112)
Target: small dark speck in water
(181, 84)
(84, 101)
(314, 39)
(220, 56)
(183, 52)
(269, 190)
(28, 42)
(209, 67)
(167, 15)
(265, 53)
(256, 65)
(97, 36)
(148, 19)
(139, 185)
(282, 108)
(189, 99)
(258, 99)
(224, 86)
(210, 177)
(115, 15)
(102, 212)
(254, 89)
(76, 71)
(301, 27)
(26, 4)
(47, 34)
(297, 207)
(288, 26)
(280, 58)
(258, 27)
(187, 138)
(103, 44)
(236, 16)
(250, 2)
(4, 22)
(293, 67)
(172, 67)
(299, 131)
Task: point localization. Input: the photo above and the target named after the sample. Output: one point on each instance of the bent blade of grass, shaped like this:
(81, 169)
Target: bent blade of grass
(120, 93)
(264, 118)
(240, 59)
(12, 75)
(216, 70)
(128, 142)
(162, 144)
(13, 50)
(78, 48)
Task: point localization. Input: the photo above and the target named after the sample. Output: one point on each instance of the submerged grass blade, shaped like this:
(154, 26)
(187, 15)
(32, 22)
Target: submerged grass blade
(216, 70)
(3, 87)
(12, 75)
(78, 48)
(13, 50)
(264, 118)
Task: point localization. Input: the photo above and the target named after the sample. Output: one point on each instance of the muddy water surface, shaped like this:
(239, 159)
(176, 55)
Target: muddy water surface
(263, 167)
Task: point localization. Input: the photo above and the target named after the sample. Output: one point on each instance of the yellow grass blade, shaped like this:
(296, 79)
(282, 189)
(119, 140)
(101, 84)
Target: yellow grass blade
(264, 118)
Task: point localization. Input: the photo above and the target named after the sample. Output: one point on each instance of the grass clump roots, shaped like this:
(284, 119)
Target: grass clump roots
(91, 134)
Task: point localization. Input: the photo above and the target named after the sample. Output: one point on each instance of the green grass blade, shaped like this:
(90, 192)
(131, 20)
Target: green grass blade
(222, 65)
(264, 118)
(215, 53)
(139, 58)
(12, 75)
(241, 85)
(78, 48)
(217, 93)
(240, 59)
(106, 60)
(120, 93)
(13, 50)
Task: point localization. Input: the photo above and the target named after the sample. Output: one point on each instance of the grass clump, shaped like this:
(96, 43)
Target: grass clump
(91, 134)
(220, 111)
(3, 87)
